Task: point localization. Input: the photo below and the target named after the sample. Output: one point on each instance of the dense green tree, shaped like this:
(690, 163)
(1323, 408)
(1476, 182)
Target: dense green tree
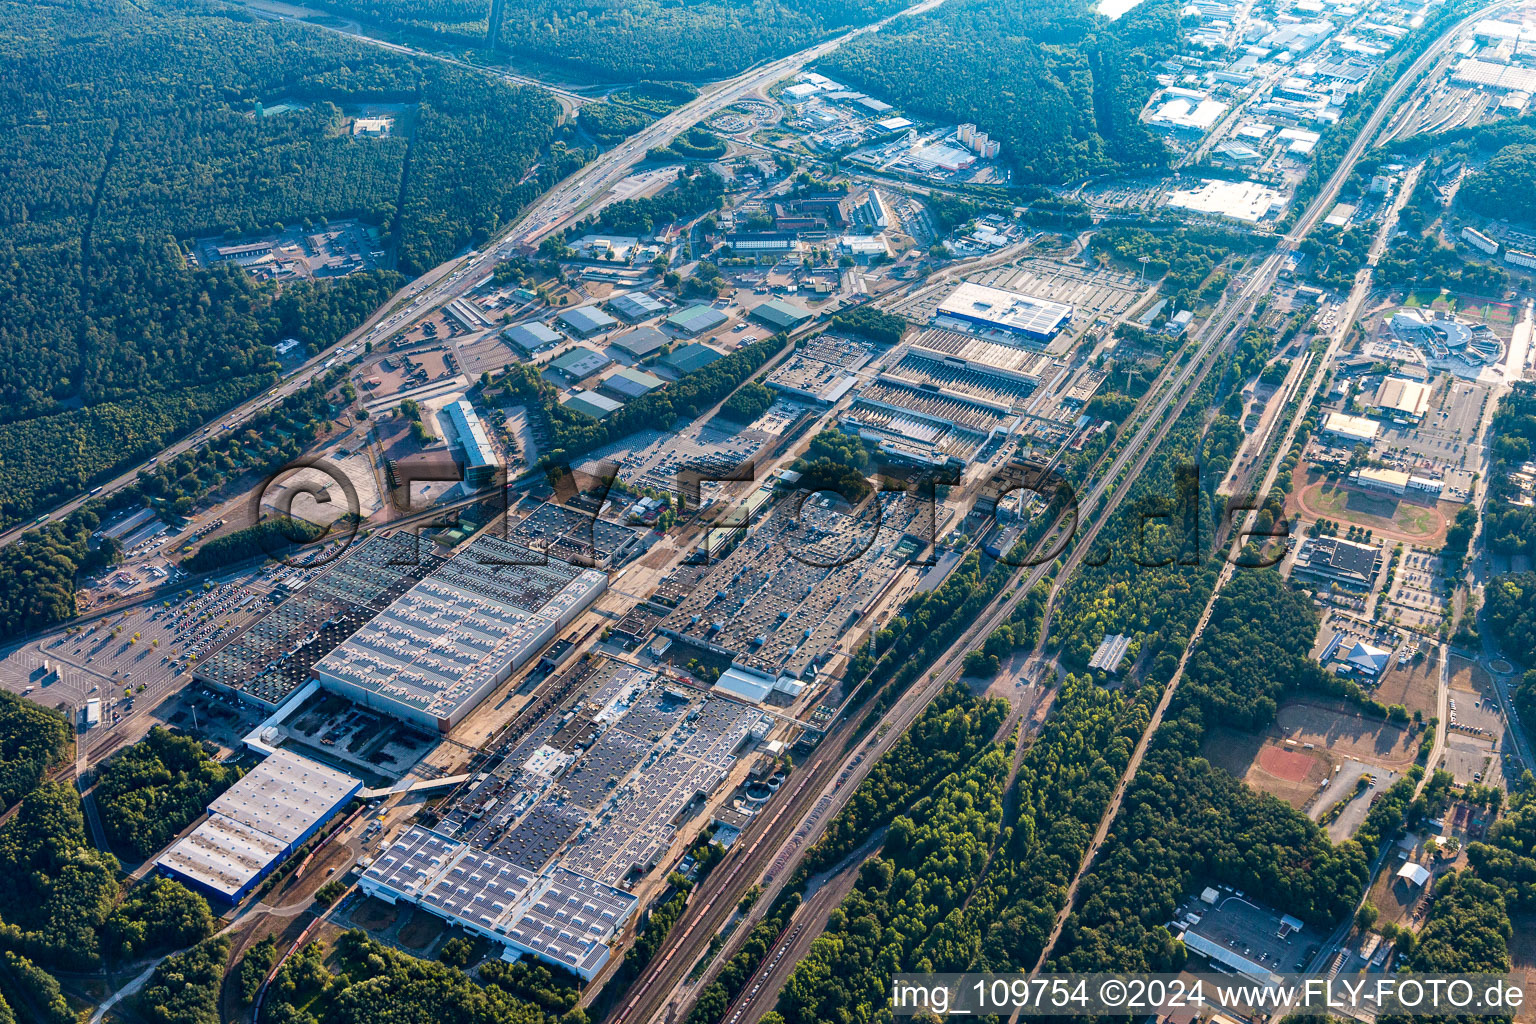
(1505, 187)
(159, 914)
(156, 788)
(60, 890)
(185, 986)
(31, 739)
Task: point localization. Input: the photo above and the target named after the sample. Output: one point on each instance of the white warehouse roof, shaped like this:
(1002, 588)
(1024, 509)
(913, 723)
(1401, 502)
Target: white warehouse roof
(1004, 310)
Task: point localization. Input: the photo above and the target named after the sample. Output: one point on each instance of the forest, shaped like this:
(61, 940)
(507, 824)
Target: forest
(1509, 608)
(1184, 257)
(1059, 86)
(156, 788)
(1186, 823)
(625, 111)
(131, 129)
(265, 539)
(363, 981)
(608, 41)
(31, 739)
(1428, 264)
(39, 570)
(185, 986)
(866, 321)
(1505, 188)
(697, 191)
(1510, 528)
(1147, 573)
(63, 906)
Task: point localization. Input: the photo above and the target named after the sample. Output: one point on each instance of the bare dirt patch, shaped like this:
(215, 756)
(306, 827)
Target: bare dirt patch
(421, 931)
(1470, 677)
(1413, 686)
(1522, 955)
(1344, 733)
(1279, 761)
(374, 915)
(1266, 763)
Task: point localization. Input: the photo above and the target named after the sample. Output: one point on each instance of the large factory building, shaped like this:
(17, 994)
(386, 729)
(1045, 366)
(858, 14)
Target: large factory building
(559, 916)
(256, 824)
(1005, 312)
(446, 643)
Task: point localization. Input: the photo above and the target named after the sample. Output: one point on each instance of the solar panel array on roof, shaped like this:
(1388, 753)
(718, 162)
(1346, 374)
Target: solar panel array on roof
(442, 646)
(273, 656)
(1009, 312)
(559, 915)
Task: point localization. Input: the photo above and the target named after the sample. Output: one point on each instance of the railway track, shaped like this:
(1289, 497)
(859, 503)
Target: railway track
(828, 782)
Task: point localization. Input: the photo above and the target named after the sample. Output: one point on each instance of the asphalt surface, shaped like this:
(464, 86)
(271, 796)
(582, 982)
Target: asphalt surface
(444, 283)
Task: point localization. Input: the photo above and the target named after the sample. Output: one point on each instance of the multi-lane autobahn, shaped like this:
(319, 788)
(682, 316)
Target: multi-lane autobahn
(577, 193)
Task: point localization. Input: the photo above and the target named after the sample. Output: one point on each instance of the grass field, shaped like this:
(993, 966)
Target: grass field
(1390, 518)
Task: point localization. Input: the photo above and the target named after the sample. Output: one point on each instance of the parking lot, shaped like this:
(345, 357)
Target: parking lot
(1417, 597)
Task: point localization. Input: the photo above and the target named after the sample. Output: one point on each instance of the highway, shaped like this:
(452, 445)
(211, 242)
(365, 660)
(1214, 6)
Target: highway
(577, 193)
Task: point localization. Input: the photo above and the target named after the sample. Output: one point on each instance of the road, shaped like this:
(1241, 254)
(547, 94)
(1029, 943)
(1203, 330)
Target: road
(826, 785)
(579, 191)
(1321, 203)
(295, 380)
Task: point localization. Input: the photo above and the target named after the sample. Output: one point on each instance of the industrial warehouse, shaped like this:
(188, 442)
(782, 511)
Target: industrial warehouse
(560, 917)
(256, 824)
(267, 661)
(794, 587)
(975, 367)
(442, 646)
(822, 371)
(586, 794)
(1010, 314)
